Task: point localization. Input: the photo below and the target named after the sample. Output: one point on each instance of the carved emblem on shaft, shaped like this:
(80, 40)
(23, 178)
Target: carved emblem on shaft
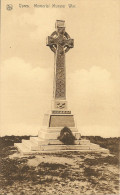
(60, 105)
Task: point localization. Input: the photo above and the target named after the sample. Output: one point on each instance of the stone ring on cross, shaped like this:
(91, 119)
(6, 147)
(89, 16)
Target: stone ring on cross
(60, 40)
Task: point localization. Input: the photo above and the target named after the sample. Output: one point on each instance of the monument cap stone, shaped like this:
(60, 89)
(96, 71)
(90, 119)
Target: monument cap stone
(60, 24)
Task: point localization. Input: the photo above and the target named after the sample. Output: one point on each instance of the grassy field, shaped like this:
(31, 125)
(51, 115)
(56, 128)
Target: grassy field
(63, 173)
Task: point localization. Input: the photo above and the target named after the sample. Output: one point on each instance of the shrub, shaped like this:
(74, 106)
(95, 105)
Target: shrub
(66, 136)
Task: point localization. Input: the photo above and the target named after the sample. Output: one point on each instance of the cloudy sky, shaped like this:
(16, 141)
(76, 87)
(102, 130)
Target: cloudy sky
(93, 70)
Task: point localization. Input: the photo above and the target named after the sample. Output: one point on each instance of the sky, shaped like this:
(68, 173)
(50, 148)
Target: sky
(92, 66)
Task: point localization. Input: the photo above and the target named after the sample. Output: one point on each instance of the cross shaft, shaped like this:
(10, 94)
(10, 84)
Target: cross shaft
(60, 43)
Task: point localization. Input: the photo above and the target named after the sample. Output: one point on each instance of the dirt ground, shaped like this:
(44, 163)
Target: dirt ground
(63, 173)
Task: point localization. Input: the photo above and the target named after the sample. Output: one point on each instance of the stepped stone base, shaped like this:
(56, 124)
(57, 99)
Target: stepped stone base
(37, 145)
(47, 140)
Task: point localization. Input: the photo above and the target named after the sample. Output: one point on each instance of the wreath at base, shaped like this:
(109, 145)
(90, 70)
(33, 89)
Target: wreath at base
(66, 136)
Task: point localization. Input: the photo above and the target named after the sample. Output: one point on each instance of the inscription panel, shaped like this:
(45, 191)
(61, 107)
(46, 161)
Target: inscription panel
(62, 121)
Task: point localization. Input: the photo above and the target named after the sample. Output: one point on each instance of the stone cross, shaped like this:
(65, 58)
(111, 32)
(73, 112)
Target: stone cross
(60, 43)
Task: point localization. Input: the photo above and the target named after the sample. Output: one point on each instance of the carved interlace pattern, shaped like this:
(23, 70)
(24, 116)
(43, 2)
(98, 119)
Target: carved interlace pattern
(60, 43)
(60, 82)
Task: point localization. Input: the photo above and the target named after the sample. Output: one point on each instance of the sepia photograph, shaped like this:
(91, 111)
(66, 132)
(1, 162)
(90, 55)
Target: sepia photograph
(60, 97)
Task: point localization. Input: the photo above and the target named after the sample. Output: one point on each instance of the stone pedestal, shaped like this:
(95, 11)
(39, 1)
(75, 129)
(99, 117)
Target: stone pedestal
(47, 139)
(58, 118)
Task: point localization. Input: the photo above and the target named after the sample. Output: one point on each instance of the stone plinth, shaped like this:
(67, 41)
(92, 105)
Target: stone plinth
(36, 146)
(59, 119)
(47, 139)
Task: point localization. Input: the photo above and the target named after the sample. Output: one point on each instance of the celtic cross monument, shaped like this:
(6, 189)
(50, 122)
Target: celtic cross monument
(60, 43)
(59, 116)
